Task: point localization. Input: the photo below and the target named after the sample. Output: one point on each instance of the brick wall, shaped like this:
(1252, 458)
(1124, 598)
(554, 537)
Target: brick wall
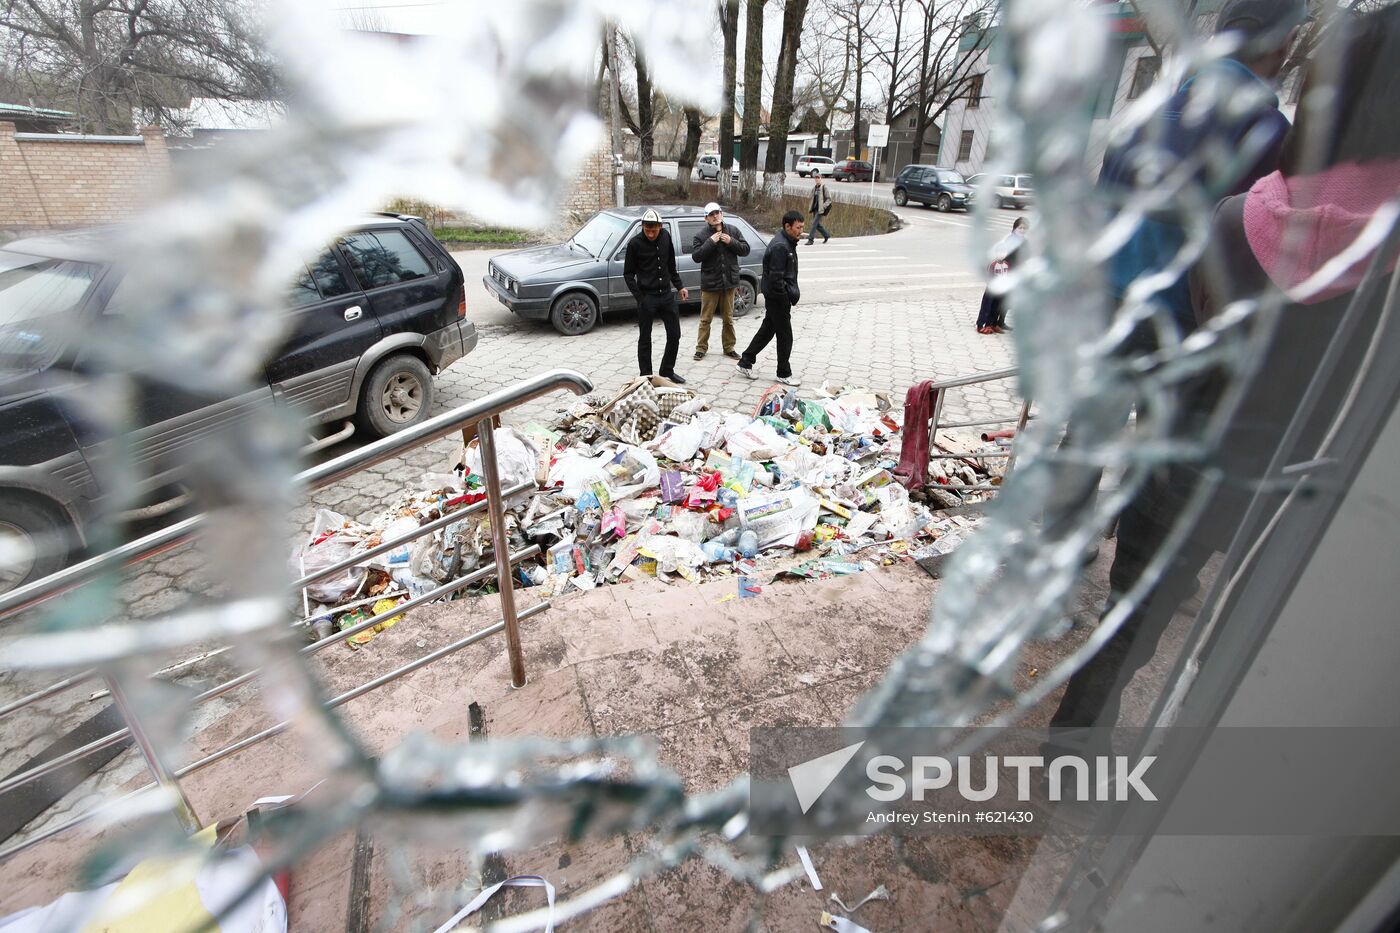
(71, 181)
(592, 190)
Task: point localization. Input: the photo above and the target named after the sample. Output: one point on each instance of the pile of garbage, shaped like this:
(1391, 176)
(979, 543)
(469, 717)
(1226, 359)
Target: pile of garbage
(656, 483)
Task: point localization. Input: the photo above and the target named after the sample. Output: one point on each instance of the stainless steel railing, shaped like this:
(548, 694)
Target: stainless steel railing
(939, 390)
(167, 777)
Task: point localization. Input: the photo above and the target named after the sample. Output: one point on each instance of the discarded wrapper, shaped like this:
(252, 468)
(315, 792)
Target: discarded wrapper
(841, 924)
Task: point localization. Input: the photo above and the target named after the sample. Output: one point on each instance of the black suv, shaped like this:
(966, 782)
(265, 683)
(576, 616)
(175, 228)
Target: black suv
(932, 186)
(373, 317)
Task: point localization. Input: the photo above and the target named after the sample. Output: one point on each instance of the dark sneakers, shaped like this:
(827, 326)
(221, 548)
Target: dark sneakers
(733, 354)
(674, 378)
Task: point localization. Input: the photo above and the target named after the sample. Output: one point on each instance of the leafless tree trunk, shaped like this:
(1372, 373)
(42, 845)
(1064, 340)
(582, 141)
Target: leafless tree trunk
(691, 150)
(753, 96)
(645, 129)
(729, 26)
(774, 171)
(856, 14)
(921, 99)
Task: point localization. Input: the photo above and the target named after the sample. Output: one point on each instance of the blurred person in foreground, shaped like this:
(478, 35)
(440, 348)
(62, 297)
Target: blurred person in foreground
(1219, 133)
(1272, 245)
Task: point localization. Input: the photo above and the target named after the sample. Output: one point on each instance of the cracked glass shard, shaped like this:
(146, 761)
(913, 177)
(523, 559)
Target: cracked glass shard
(1132, 406)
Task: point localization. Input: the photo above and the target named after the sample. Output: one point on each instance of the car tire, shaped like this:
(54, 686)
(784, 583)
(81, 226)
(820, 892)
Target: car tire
(574, 313)
(745, 298)
(397, 394)
(37, 540)
(945, 203)
(1001, 203)
(801, 174)
(901, 197)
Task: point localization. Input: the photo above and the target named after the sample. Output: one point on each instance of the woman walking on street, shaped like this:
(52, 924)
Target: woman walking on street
(991, 319)
(821, 206)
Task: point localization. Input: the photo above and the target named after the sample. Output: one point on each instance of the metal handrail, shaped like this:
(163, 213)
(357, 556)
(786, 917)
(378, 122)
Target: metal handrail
(957, 382)
(112, 738)
(359, 557)
(313, 478)
(271, 732)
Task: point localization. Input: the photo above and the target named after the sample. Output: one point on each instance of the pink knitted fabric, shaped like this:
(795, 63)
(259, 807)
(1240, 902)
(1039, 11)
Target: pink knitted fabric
(1296, 225)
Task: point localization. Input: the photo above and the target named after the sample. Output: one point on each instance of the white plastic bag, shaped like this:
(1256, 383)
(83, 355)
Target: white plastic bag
(338, 587)
(681, 443)
(650, 475)
(758, 441)
(573, 472)
(671, 553)
(516, 457)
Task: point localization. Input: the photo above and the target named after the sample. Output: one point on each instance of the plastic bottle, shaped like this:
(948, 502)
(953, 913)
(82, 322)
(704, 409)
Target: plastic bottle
(716, 552)
(748, 544)
(730, 538)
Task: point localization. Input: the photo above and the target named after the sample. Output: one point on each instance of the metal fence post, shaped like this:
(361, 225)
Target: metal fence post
(184, 810)
(496, 508)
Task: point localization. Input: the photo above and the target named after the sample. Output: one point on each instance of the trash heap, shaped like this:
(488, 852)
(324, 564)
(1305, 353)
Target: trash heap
(657, 484)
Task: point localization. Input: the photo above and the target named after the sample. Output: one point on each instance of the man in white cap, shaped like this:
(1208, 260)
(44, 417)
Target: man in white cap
(649, 269)
(717, 249)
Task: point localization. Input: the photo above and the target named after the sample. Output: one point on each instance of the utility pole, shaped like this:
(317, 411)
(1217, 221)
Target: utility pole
(619, 187)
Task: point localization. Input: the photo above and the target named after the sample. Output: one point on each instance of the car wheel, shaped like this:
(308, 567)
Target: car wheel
(945, 203)
(801, 174)
(35, 541)
(397, 394)
(901, 197)
(573, 314)
(1001, 203)
(744, 298)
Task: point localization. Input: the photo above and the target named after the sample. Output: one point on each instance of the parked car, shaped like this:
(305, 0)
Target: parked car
(933, 186)
(372, 319)
(1009, 190)
(708, 167)
(854, 170)
(571, 284)
(815, 165)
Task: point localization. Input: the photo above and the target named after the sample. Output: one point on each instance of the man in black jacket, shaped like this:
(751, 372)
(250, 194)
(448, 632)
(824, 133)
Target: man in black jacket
(717, 249)
(649, 270)
(780, 293)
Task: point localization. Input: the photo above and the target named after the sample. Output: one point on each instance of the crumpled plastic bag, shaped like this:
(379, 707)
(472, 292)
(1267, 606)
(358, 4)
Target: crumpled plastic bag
(681, 443)
(574, 472)
(327, 521)
(758, 441)
(853, 412)
(712, 423)
(650, 473)
(338, 587)
(692, 526)
(671, 553)
(813, 469)
(516, 458)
